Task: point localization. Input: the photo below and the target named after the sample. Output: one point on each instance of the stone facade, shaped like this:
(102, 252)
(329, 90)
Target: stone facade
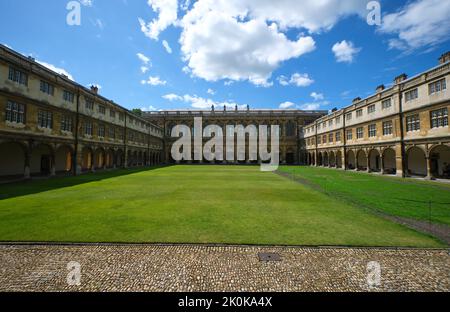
(400, 130)
(292, 149)
(50, 124)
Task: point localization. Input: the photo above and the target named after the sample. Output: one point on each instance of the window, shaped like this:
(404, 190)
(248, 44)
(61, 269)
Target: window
(319, 140)
(411, 95)
(15, 112)
(121, 117)
(68, 96)
(318, 126)
(330, 138)
(412, 123)
(386, 104)
(372, 130)
(112, 113)
(102, 109)
(349, 135)
(439, 118)
(89, 103)
(324, 139)
(338, 137)
(66, 123)
(120, 135)
(47, 88)
(131, 136)
(437, 86)
(101, 131)
(360, 133)
(348, 116)
(387, 128)
(45, 119)
(112, 133)
(371, 109)
(338, 120)
(18, 76)
(359, 113)
(88, 129)
(330, 123)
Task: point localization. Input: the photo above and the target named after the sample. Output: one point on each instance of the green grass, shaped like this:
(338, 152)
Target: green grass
(399, 197)
(191, 204)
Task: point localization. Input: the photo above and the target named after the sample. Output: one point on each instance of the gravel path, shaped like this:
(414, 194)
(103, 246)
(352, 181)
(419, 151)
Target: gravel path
(220, 268)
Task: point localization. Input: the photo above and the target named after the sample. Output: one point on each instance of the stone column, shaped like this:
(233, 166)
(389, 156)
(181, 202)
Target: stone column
(429, 173)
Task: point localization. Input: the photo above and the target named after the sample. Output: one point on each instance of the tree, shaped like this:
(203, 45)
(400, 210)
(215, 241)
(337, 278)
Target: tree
(137, 112)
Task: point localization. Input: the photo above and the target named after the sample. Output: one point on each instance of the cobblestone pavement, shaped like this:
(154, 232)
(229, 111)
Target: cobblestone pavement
(220, 268)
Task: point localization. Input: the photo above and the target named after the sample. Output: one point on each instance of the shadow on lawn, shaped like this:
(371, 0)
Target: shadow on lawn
(34, 186)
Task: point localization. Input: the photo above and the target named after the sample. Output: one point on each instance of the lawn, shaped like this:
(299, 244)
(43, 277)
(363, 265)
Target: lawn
(191, 204)
(416, 199)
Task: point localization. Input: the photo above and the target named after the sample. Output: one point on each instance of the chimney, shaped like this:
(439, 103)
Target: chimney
(356, 100)
(400, 78)
(212, 108)
(334, 110)
(380, 88)
(248, 108)
(444, 58)
(94, 89)
(236, 108)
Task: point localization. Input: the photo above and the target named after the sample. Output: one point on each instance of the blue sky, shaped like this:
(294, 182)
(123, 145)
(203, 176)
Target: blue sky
(263, 53)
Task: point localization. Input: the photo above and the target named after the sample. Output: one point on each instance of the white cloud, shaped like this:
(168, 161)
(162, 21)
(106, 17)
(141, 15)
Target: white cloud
(201, 103)
(154, 81)
(317, 96)
(422, 23)
(286, 105)
(150, 108)
(143, 58)
(211, 92)
(59, 70)
(144, 69)
(167, 15)
(167, 47)
(299, 80)
(172, 97)
(313, 105)
(87, 3)
(234, 40)
(345, 51)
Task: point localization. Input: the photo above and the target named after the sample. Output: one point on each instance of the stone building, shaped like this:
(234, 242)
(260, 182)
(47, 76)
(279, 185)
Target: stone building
(400, 130)
(51, 125)
(292, 148)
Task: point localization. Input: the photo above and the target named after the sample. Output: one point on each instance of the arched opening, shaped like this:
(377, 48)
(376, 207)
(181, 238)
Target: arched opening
(440, 161)
(361, 159)
(63, 159)
(109, 158)
(325, 159)
(309, 161)
(351, 160)
(86, 163)
(99, 159)
(374, 161)
(12, 159)
(389, 162)
(313, 159)
(119, 159)
(417, 162)
(319, 159)
(42, 161)
(290, 157)
(339, 159)
(135, 159)
(145, 159)
(140, 159)
(130, 159)
(332, 159)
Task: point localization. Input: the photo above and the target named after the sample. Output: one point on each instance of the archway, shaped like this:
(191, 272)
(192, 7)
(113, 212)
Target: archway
(12, 159)
(109, 158)
(339, 159)
(63, 159)
(119, 159)
(86, 163)
(325, 159)
(440, 161)
(332, 159)
(361, 160)
(351, 160)
(42, 160)
(319, 159)
(417, 162)
(290, 157)
(135, 159)
(389, 162)
(99, 159)
(374, 161)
